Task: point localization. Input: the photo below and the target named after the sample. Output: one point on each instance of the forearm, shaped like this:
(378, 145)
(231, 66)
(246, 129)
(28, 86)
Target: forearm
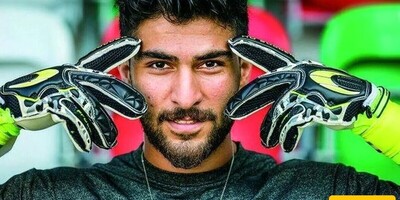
(383, 132)
(8, 131)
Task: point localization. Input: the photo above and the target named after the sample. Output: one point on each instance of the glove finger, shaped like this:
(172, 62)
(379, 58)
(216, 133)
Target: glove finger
(261, 54)
(103, 130)
(113, 94)
(259, 93)
(110, 55)
(76, 122)
(291, 127)
(86, 121)
(106, 132)
(270, 127)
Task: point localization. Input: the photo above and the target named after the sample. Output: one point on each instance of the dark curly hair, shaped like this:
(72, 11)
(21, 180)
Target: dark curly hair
(228, 13)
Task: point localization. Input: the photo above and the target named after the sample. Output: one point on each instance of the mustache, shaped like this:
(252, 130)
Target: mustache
(193, 113)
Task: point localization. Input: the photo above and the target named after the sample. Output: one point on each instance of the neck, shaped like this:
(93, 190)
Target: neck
(217, 159)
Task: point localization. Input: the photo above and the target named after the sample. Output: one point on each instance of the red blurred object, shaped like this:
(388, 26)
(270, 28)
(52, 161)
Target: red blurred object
(262, 25)
(338, 5)
(267, 27)
(322, 10)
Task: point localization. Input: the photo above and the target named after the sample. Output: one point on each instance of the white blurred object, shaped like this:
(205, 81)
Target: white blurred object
(33, 38)
(71, 11)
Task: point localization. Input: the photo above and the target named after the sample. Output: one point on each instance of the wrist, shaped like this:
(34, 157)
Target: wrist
(8, 129)
(382, 132)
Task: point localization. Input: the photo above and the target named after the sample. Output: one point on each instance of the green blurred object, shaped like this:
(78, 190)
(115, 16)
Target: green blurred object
(258, 3)
(365, 41)
(107, 11)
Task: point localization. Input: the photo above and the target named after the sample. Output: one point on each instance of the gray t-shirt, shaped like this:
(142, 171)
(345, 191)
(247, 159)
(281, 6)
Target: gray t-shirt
(254, 176)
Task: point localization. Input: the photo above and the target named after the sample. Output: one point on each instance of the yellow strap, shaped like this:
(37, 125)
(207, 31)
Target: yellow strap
(382, 133)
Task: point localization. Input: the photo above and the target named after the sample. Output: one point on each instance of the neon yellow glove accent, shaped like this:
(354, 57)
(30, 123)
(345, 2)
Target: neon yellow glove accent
(7, 127)
(382, 132)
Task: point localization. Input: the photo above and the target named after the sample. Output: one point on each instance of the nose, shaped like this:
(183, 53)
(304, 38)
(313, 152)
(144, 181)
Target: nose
(187, 91)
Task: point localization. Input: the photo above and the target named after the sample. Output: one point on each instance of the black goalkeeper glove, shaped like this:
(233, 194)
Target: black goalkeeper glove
(301, 92)
(74, 95)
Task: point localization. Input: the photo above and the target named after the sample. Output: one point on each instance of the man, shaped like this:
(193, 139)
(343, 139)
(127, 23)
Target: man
(187, 75)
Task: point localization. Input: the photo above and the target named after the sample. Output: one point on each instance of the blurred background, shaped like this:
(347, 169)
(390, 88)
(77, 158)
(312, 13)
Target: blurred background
(360, 36)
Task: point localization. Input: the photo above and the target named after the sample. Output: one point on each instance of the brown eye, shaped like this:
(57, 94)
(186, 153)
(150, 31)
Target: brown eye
(211, 64)
(159, 65)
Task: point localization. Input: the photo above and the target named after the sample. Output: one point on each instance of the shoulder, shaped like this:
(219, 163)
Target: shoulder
(311, 171)
(65, 173)
(109, 180)
(310, 177)
(36, 183)
(252, 160)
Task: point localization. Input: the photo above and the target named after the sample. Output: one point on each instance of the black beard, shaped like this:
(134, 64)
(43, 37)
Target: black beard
(185, 156)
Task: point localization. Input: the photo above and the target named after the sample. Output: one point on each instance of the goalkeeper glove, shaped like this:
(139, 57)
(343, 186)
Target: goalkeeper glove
(301, 92)
(74, 95)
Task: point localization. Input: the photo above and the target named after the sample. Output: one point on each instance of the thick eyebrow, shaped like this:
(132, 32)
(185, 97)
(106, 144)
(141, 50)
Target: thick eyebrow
(155, 54)
(214, 54)
(164, 56)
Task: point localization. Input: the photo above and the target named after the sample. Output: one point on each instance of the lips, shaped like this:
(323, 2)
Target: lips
(185, 126)
(186, 121)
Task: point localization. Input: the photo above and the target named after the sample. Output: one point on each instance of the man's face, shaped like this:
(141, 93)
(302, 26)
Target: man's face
(187, 74)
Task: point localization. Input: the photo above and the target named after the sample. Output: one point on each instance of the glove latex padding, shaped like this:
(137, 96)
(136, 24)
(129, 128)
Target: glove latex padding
(301, 93)
(76, 96)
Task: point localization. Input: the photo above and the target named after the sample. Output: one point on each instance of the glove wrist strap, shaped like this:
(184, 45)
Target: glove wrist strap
(378, 103)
